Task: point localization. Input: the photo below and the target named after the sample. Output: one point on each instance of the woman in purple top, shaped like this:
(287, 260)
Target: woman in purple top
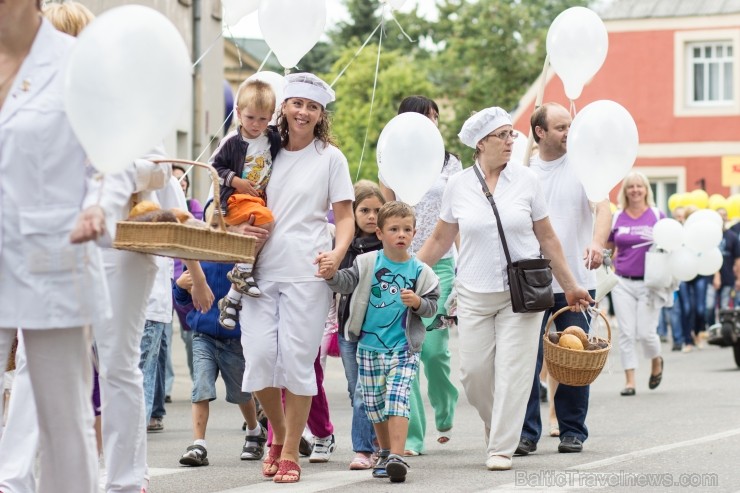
(637, 316)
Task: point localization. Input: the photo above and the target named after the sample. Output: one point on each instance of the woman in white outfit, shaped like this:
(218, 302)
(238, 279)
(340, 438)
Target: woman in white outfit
(282, 329)
(50, 287)
(498, 348)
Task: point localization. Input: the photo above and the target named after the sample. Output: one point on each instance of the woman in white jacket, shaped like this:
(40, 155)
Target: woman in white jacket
(45, 280)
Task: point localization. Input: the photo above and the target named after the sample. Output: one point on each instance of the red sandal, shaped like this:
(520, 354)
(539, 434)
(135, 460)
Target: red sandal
(288, 472)
(271, 462)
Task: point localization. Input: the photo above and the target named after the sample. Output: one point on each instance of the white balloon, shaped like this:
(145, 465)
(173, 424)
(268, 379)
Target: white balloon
(126, 84)
(602, 146)
(410, 155)
(706, 215)
(701, 236)
(668, 234)
(577, 43)
(276, 81)
(395, 4)
(292, 27)
(684, 264)
(236, 10)
(709, 262)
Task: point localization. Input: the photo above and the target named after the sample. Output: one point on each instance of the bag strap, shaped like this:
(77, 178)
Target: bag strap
(489, 196)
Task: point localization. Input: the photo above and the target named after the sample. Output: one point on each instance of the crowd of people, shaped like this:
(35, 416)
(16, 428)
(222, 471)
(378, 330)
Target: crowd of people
(387, 280)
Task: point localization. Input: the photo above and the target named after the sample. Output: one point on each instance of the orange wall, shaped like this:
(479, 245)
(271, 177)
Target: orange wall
(638, 74)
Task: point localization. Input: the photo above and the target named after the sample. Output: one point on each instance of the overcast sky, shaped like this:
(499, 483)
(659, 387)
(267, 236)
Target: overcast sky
(335, 11)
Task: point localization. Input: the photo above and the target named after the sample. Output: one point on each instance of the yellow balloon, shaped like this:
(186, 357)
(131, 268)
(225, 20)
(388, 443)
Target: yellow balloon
(700, 199)
(717, 201)
(613, 207)
(684, 199)
(673, 202)
(733, 206)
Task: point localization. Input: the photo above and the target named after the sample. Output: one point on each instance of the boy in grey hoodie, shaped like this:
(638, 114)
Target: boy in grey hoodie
(392, 291)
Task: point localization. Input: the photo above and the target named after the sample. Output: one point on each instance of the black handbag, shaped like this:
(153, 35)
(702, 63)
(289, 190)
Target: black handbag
(530, 280)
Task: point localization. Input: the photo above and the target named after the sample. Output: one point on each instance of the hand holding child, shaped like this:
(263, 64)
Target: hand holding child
(327, 264)
(410, 299)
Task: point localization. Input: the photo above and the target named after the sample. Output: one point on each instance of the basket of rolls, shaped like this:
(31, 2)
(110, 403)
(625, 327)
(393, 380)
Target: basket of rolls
(176, 233)
(574, 357)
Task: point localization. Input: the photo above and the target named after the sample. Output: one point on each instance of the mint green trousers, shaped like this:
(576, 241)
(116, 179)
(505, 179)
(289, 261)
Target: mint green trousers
(435, 360)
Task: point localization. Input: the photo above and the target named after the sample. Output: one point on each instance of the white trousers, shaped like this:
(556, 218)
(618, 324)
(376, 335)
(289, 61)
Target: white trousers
(61, 384)
(19, 443)
(637, 320)
(281, 335)
(130, 279)
(498, 353)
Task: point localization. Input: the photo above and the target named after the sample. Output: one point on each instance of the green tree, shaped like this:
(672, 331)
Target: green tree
(487, 54)
(398, 77)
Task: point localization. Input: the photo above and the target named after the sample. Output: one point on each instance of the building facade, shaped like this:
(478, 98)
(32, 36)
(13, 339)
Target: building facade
(675, 66)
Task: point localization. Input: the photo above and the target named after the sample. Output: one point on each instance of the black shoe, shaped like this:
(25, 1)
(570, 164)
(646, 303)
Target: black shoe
(676, 347)
(254, 446)
(168, 399)
(569, 445)
(543, 393)
(526, 447)
(304, 447)
(379, 471)
(655, 379)
(396, 468)
(628, 391)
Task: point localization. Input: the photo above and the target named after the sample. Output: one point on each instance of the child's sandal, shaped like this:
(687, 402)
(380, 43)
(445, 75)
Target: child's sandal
(228, 320)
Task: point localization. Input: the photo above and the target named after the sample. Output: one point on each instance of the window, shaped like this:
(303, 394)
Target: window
(711, 68)
(707, 72)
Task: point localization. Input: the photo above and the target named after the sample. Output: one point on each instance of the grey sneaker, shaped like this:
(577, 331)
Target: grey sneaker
(322, 449)
(254, 446)
(379, 468)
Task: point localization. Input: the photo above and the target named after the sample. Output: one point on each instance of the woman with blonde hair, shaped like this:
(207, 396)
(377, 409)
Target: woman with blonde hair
(637, 313)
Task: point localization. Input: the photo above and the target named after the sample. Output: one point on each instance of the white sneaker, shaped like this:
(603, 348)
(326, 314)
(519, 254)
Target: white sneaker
(498, 463)
(322, 449)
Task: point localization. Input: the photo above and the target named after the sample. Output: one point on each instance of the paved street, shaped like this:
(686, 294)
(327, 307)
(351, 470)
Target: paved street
(687, 432)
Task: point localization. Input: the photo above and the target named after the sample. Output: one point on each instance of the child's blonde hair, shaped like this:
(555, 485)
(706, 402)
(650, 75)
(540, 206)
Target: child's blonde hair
(257, 95)
(68, 17)
(395, 208)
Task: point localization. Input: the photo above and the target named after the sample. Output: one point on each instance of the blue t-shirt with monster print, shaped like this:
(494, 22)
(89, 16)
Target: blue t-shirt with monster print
(383, 330)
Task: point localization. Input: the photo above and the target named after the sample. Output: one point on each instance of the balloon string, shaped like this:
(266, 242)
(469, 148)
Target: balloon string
(372, 97)
(593, 229)
(341, 73)
(213, 44)
(262, 65)
(400, 27)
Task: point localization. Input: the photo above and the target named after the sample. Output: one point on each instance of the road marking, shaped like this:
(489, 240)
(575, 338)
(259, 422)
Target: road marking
(625, 458)
(162, 471)
(309, 483)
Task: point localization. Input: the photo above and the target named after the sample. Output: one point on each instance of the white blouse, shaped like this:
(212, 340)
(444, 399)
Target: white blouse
(481, 265)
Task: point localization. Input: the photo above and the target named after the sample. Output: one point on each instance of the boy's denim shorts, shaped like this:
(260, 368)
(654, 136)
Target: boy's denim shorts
(211, 356)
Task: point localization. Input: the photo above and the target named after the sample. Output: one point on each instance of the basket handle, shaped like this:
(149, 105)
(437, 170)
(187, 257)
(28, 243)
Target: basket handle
(567, 308)
(217, 220)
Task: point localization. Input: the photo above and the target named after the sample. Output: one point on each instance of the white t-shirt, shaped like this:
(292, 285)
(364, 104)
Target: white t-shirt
(481, 264)
(303, 185)
(570, 215)
(258, 162)
(427, 210)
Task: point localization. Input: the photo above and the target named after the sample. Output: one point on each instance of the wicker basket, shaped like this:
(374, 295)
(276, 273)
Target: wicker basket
(177, 240)
(570, 366)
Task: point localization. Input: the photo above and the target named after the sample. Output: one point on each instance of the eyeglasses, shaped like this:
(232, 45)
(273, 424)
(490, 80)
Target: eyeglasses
(505, 135)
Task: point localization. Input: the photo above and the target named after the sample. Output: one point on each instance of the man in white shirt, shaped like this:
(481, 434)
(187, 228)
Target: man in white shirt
(572, 216)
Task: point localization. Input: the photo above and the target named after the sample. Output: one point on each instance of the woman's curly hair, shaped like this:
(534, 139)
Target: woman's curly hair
(322, 130)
